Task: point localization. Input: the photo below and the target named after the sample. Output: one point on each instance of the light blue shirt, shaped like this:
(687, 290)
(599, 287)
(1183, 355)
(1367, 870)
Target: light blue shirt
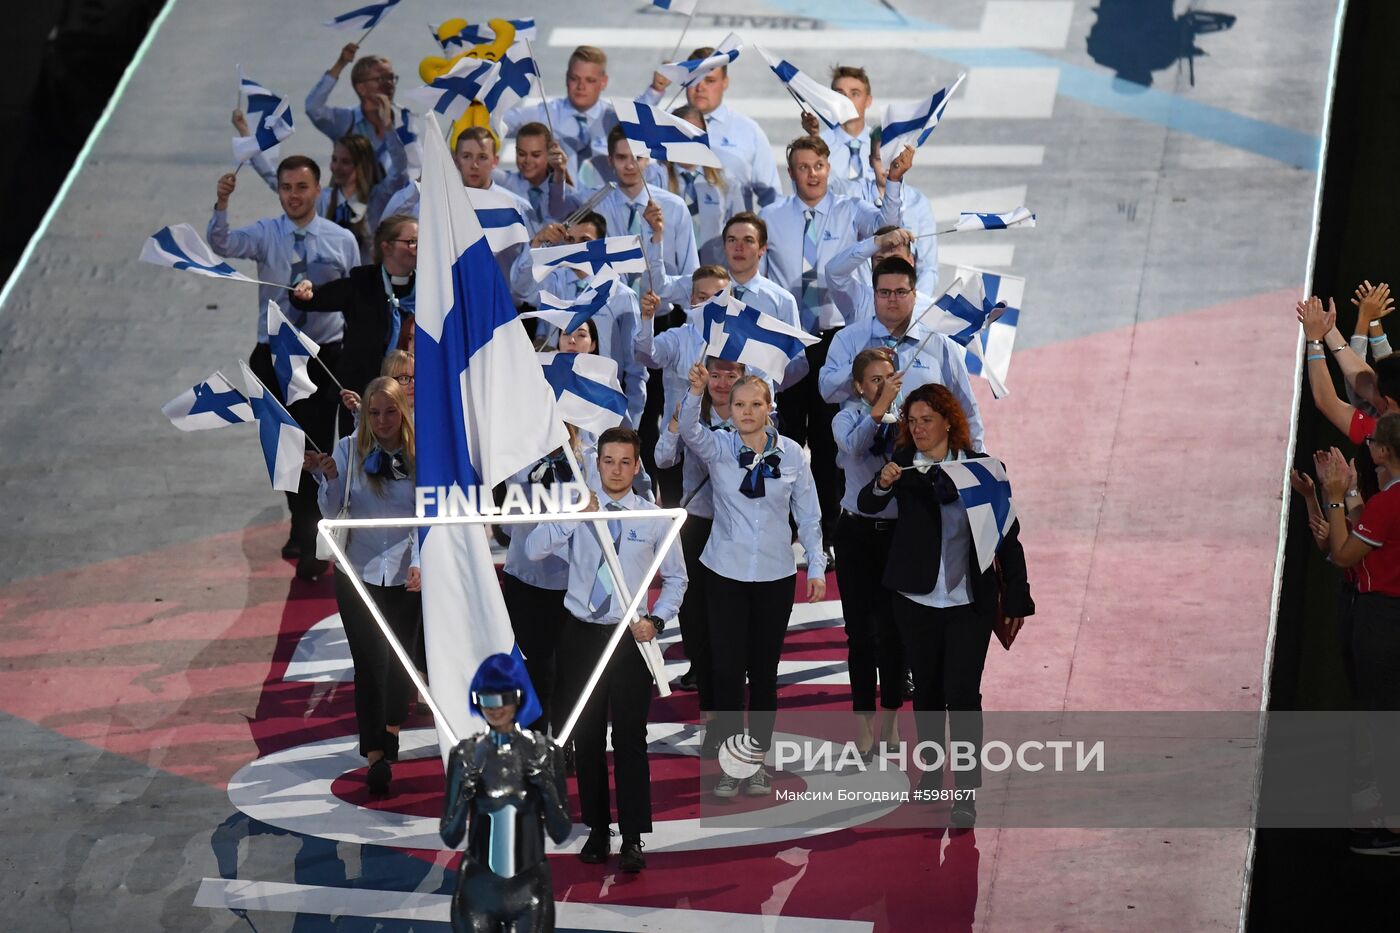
(854, 432)
(519, 185)
(677, 249)
(403, 201)
(954, 584)
(751, 539)
(549, 573)
(381, 556)
(336, 122)
(599, 120)
(617, 323)
(941, 361)
(331, 252)
(714, 206)
(696, 495)
(637, 547)
(848, 283)
(839, 222)
(744, 151)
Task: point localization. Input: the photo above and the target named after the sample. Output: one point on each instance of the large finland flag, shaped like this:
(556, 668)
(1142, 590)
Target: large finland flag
(484, 411)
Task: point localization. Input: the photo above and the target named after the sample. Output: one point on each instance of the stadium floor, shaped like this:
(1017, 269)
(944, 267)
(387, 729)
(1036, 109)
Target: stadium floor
(164, 674)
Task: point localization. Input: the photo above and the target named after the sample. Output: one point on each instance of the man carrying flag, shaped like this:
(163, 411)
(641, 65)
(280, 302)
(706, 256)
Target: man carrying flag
(744, 335)
(373, 80)
(580, 120)
(294, 246)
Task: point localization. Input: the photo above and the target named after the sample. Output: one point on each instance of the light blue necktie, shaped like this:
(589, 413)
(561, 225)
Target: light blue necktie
(536, 199)
(855, 168)
(634, 210)
(739, 292)
(585, 142)
(810, 300)
(690, 198)
(299, 260)
(600, 597)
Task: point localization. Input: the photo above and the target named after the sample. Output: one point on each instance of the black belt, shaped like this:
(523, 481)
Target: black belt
(879, 524)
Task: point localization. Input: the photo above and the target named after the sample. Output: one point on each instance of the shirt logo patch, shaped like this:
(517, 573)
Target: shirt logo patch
(724, 141)
(632, 535)
(919, 364)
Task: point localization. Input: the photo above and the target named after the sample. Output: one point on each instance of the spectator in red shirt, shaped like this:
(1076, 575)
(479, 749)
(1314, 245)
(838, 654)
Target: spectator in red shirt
(1374, 549)
(1379, 388)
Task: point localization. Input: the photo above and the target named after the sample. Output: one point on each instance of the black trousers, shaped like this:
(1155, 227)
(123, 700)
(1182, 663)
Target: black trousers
(805, 416)
(623, 696)
(946, 649)
(383, 690)
(537, 617)
(317, 417)
(694, 614)
(872, 641)
(1375, 646)
(748, 622)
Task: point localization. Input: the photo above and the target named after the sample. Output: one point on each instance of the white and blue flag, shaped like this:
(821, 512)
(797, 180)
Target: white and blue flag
(452, 93)
(457, 35)
(269, 117)
(747, 335)
(1019, 217)
(654, 133)
(986, 493)
(833, 107)
(498, 213)
(621, 254)
(364, 18)
(516, 73)
(587, 389)
(688, 72)
(283, 441)
(981, 311)
(291, 354)
(214, 403)
(912, 124)
(484, 411)
(180, 247)
(686, 7)
(569, 316)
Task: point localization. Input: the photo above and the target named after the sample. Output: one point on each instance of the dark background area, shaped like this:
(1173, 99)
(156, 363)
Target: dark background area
(63, 59)
(1307, 879)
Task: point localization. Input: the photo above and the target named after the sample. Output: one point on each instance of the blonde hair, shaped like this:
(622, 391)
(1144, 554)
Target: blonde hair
(396, 363)
(750, 380)
(364, 436)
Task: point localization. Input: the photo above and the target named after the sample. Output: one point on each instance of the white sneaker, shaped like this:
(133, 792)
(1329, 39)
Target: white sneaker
(759, 785)
(727, 787)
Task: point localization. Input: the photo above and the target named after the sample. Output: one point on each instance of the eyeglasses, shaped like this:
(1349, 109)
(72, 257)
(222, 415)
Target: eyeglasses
(885, 294)
(404, 380)
(411, 244)
(390, 80)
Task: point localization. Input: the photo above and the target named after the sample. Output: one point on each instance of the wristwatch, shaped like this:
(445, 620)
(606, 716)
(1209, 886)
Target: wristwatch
(657, 622)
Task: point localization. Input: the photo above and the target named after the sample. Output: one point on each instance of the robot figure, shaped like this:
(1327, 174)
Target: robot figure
(504, 790)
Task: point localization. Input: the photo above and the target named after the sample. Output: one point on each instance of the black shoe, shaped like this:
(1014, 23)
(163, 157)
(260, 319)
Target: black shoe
(309, 568)
(1377, 842)
(908, 688)
(964, 814)
(633, 860)
(291, 550)
(687, 680)
(378, 777)
(595, 850)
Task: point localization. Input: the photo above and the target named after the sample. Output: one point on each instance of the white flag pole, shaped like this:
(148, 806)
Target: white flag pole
(688, 17)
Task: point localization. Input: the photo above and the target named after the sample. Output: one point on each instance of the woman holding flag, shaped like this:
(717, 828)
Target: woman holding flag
(943, 606)
(757, 479)
(372, 472)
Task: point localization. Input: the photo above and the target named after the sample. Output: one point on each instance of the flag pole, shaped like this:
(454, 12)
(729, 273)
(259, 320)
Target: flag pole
(688, 17)
(289, 414)
(544, 101)
(329, 373)
(371, 29)
(931, 305)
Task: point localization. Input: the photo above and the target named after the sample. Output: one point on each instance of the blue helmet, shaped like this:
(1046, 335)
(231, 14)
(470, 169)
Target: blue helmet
(504, 676)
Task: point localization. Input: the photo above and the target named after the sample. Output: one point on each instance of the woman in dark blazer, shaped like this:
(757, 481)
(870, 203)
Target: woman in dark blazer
(943, 605)
(377, 302)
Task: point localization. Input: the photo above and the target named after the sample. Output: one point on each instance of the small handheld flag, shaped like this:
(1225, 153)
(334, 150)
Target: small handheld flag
(269, 118)
(685, 7)
(569, 316)
(586, 386)
(621, 254)
(654, 133)
(912, 124)
(986, 494)
(214, 403)
(454, 35)
(981, 311)
(452, 93)
(180, 247)
(747, 335)
(1019, 217)
(364, 18)
(515, 74)
(283, 440)
(832, 107)
(292, 352)
(688, 72)
(499, 215)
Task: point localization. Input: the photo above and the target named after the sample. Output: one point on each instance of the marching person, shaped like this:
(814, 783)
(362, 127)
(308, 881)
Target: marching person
(708, 196)
(372, 469)
(622, 696)
(376, 300)
(376, 118)
(635, 207)
(849, 273)
(540, 176)
(943, 607)
(582, 118)
(865, 430)
(757, 479)
(294, 246)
